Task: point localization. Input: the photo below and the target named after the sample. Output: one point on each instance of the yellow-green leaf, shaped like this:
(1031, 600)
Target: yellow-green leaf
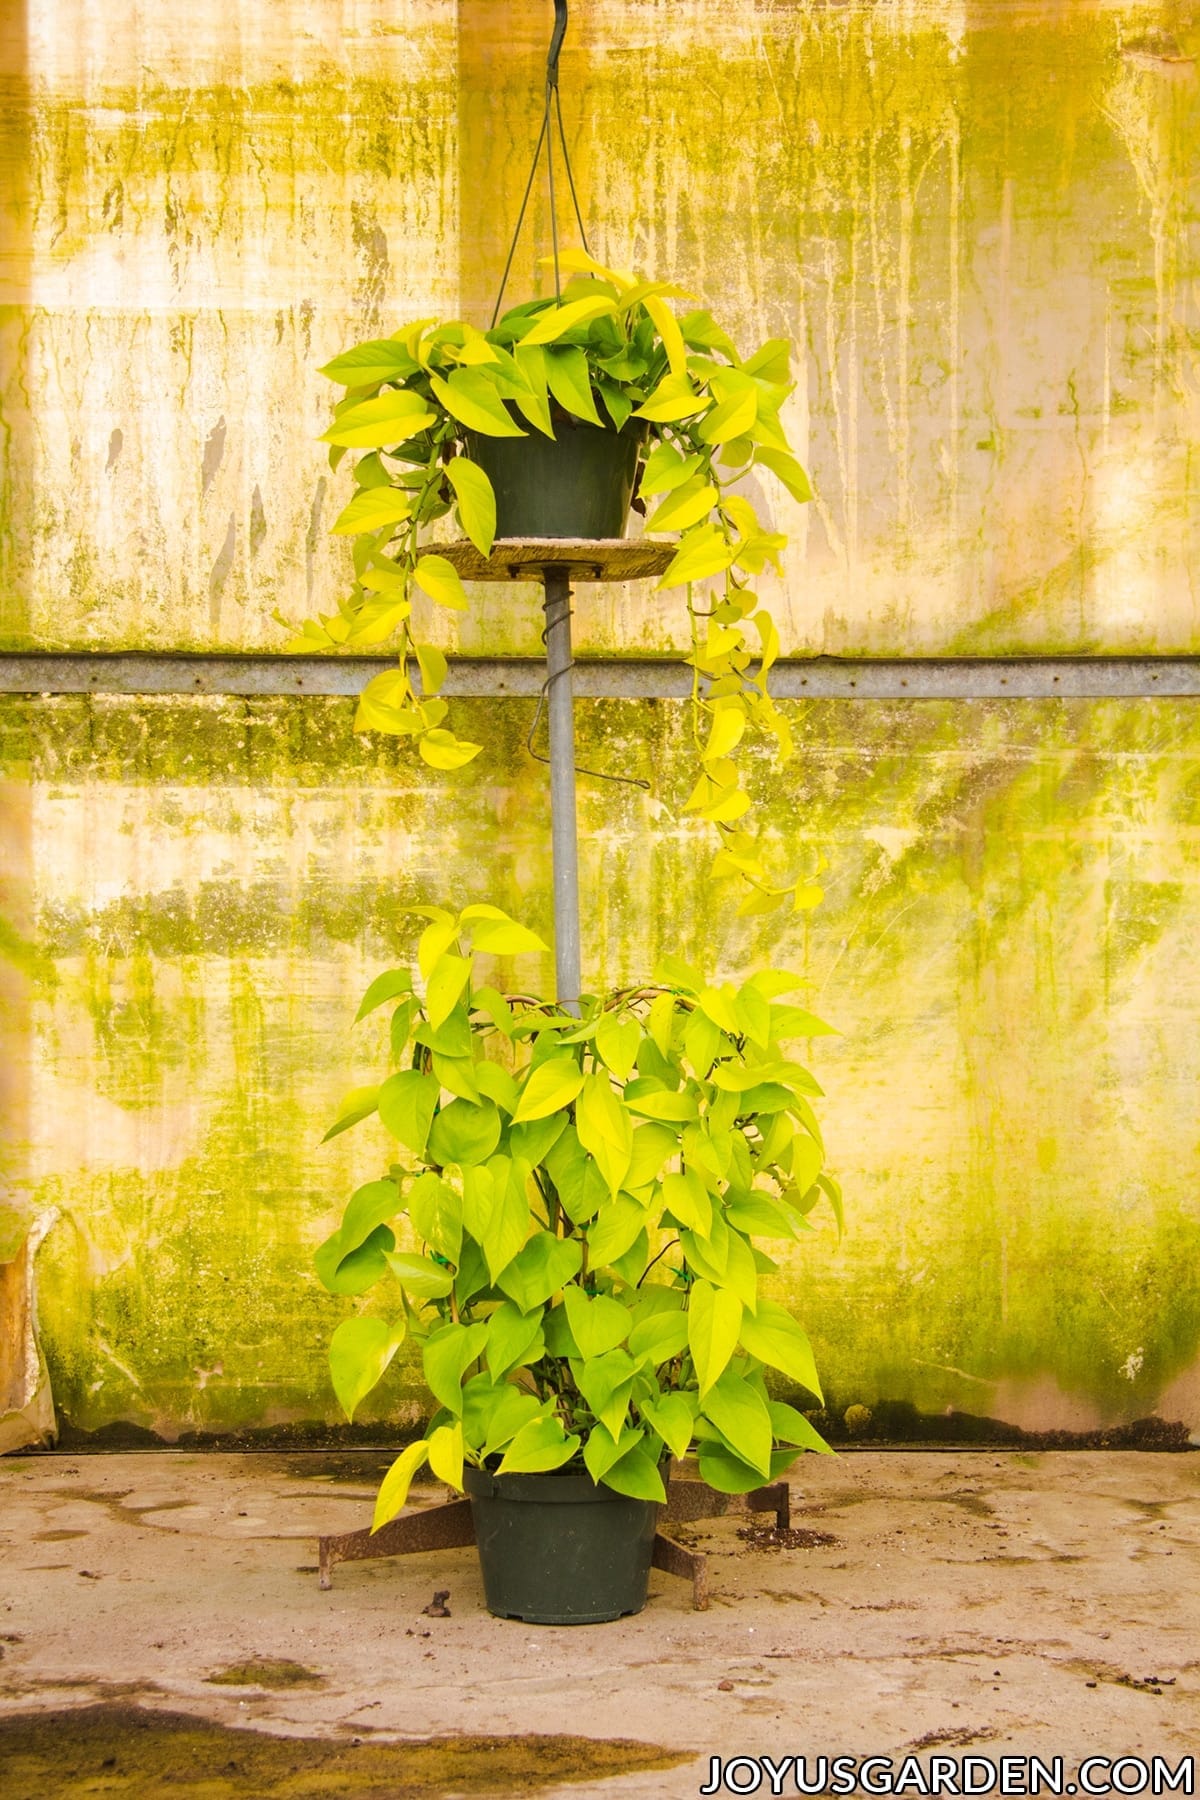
(616, 1227)
(568, 375)
(772, 362)
(397, 721)
(668, 330)
(390, 418)
(662, 1011)
(740, 1414)
(727, 728)
(551, 1087)
(774, 1337)
(475, 348)
(580, 263)
(445, 985)
(393, 1491)
(731, 418)
(535, 405)
(714, 1319)
(635, 1474)
(383, 359)
(686, 1197)
(671, 1417)
(393, 984)
(446, 1454)
(500, 935)
(598, 1324)
(407, 1100)
(441, 581)
(471, 398)
(419, 1276)
(673, 399)
(788, 470)
(556, 321)
(377, 620)
(383, 577)
(617, 1040)
(442, 750)
(729, 808)
(761, 900)
(372, 509)
(740, 513)
(432, 665)
(703, 552)
(791, 1427)
(665, 469)
(359, 1104)
(437, 936)
(476, 502)
(686, 506)
(359, 1353)
(539, 1446)
(605, 1129)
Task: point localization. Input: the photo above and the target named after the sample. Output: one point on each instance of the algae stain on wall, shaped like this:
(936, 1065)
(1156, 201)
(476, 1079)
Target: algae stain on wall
(1014, 888)
(977, 222)
(212, 217)
(979, 226)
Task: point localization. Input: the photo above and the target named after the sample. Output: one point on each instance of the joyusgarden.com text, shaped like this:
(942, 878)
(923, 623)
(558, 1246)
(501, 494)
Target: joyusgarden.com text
(958, 1775)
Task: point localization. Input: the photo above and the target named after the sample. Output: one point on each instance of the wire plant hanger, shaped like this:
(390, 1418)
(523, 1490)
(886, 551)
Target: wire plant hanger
(551, 117)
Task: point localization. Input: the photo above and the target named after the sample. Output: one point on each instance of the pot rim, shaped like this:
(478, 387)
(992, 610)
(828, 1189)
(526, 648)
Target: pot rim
(548, 1487)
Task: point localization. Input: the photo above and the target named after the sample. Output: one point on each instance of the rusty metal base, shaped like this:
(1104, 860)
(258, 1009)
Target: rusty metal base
(437, 1528)
(449, 1527)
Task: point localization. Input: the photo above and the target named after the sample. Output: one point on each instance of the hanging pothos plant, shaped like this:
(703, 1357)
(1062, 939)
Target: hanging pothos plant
(572, 1233)
(609, 351)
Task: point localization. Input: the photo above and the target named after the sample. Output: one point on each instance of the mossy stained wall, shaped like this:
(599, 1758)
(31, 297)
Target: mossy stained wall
(1005, 946)
(978, 223)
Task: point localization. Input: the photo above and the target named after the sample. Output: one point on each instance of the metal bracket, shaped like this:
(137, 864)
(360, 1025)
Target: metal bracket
(451, 1526)
(436, 1528)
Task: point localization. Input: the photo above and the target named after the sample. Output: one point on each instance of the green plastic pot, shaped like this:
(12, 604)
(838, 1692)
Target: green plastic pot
(577, 484)
(558, 1550)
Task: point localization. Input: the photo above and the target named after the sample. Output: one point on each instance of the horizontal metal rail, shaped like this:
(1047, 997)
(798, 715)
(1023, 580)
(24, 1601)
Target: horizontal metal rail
(606, 677)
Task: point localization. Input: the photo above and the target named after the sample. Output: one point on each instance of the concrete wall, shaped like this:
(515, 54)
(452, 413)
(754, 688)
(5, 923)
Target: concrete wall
(979, 223)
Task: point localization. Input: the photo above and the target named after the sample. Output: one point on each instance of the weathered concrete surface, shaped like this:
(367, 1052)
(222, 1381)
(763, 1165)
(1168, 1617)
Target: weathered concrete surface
(1006, 943)
(967, 1604)
(976, 219)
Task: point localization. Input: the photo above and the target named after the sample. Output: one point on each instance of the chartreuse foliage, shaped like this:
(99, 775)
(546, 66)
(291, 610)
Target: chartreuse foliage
(572, 1230)
(610, 351)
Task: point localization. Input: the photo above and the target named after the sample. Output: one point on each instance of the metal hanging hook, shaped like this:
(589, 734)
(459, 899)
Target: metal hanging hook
(560, 32)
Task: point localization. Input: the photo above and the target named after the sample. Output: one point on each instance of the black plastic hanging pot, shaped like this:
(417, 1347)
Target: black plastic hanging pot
(577, 484)
(559, 1550)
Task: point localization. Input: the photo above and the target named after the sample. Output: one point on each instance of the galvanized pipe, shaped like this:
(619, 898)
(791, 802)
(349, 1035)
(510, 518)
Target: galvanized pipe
(262, 674)
(560, 712)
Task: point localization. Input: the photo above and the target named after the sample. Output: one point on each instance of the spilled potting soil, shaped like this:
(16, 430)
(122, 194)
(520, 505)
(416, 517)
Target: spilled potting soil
(59, 1755)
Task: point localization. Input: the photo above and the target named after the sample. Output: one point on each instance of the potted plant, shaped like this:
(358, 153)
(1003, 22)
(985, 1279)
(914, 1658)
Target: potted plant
(546, 425)
(572, 1236)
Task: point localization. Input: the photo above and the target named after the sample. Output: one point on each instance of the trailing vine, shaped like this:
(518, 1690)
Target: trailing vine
(709, 416)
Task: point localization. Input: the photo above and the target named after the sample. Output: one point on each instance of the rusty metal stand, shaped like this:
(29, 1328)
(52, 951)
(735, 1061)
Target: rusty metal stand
(450, 1527)
(436, 1528)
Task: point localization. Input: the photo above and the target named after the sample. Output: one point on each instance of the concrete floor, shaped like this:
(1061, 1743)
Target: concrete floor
(985, 1602)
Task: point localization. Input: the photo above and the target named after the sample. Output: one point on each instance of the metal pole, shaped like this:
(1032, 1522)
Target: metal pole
(561, 714)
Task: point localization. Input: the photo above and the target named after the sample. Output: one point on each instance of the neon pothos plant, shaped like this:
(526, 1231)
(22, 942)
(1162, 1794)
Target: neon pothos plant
(570, 1235)
(609, 352)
